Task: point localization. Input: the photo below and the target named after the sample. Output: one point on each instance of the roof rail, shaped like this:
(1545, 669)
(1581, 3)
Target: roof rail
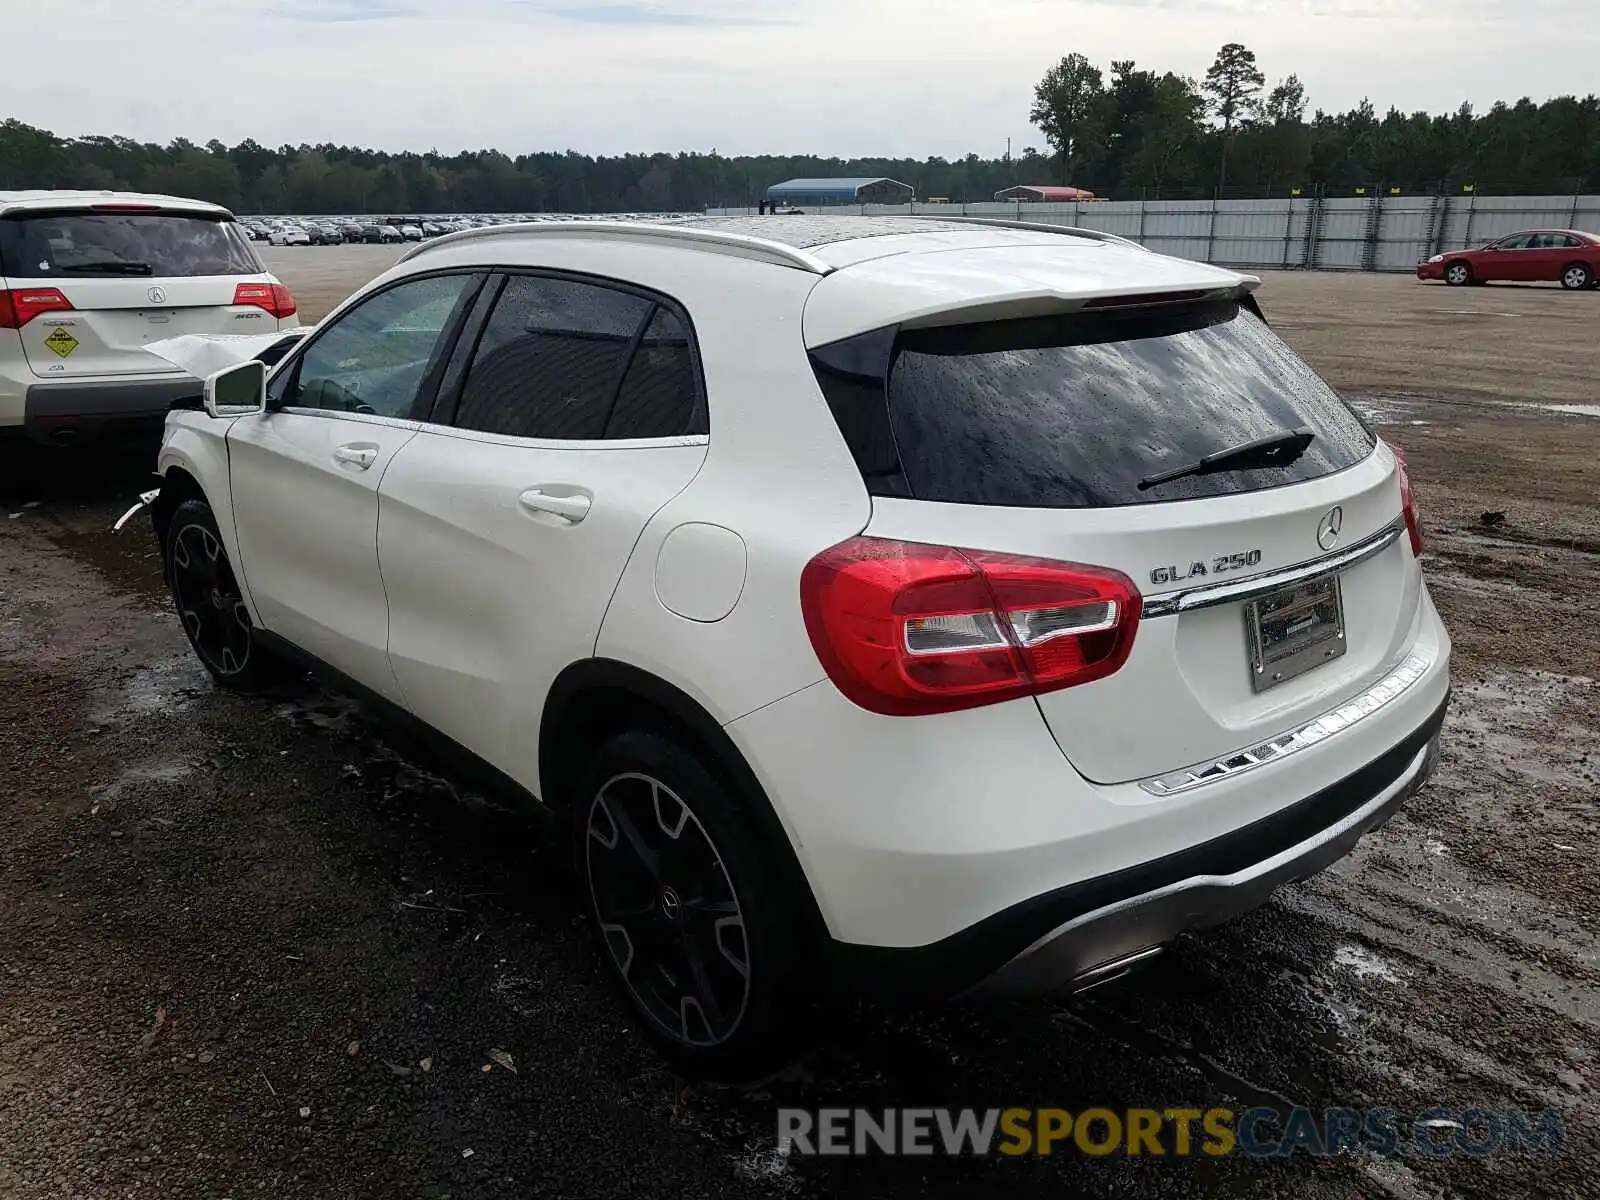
(1095, 235)
(689, 237)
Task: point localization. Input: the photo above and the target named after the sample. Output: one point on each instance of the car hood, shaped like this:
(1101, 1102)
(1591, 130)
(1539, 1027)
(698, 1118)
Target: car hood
(203, 354)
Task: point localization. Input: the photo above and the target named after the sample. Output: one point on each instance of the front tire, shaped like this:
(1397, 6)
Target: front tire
(690, 921)
(1575, 277)
(211, 606)
(1458, 274)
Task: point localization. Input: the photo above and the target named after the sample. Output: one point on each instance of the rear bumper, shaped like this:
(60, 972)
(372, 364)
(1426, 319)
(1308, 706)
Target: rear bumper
(62, 412)
(1209, 885)
(1090, 932)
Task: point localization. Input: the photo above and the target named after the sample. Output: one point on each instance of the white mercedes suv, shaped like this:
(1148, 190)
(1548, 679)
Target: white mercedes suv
(902, 604)
(89, 279)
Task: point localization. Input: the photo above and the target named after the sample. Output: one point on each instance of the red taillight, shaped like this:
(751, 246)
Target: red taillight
(21, 305)
(904, 628)
(273, 297)
(1407, 504)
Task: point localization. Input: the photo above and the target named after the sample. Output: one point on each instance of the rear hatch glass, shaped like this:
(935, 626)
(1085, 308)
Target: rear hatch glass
(99, 245)
(1074, 411)
(125, 280)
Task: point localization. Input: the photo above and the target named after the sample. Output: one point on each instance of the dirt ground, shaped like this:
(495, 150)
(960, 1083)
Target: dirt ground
(255, 949)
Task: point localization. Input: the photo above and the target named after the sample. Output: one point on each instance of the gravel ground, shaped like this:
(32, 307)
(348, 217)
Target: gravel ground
(255, 948)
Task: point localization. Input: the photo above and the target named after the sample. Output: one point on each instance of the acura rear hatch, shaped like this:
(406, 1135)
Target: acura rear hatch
(91, 287)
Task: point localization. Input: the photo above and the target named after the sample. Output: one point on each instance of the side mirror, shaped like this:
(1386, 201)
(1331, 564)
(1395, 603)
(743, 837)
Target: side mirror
(237, 391)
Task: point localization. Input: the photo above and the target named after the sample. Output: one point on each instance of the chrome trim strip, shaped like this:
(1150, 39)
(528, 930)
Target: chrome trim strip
(1381, 694)
(1260, 585)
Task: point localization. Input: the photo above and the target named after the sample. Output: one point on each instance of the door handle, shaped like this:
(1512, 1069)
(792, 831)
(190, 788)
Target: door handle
(570, 509)
(356, 455)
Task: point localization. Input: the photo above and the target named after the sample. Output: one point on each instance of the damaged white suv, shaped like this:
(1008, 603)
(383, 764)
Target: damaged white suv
(90, 280)
(897, 603)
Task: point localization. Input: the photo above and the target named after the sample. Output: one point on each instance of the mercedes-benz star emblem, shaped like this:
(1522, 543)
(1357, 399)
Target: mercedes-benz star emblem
(1328, 528)
(157, 295)
(671, 905)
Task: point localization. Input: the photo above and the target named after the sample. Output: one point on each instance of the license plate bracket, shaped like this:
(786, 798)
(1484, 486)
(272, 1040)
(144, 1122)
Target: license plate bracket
(1292, 630)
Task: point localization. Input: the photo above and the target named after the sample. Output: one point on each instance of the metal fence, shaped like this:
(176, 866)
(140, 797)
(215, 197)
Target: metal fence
(1333, 233)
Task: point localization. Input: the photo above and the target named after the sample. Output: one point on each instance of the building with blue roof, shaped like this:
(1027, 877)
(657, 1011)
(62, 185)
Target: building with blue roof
(841, 191)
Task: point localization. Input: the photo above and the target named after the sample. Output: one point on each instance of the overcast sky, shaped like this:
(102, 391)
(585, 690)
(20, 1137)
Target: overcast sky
(845, 77)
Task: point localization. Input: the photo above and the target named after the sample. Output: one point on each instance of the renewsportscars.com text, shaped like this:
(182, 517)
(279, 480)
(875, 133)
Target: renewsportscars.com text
(1177, 1132)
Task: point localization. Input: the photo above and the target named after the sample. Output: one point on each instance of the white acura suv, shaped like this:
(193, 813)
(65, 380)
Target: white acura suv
(901, 604)
(88, 280)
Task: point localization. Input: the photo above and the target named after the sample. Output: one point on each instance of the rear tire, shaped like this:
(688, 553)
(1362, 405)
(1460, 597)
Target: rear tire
(692, 925)
(1576, 277)
(211, 606)
(1458, 274)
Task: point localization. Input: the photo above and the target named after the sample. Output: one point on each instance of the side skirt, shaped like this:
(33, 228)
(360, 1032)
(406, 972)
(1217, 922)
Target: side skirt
(455, 759)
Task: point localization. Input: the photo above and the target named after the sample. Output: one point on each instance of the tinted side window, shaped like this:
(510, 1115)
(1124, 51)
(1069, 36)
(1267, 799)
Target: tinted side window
(550, 359)
(373, 358)
(658, 396)
(1074, 411)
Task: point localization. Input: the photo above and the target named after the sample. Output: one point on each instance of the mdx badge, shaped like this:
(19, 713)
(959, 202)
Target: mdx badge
(1202, 568)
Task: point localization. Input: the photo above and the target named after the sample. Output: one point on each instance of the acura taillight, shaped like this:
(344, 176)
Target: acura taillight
(21, 305)
(904, 628)
(1407, 504)
(274, 297)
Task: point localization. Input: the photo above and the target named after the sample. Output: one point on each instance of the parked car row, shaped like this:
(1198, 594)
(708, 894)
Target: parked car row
(333, 231)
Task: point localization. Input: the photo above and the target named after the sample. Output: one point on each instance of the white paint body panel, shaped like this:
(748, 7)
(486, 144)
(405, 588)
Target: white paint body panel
(489, 601)
(307, 529)
(1193, 668)
(919, 828)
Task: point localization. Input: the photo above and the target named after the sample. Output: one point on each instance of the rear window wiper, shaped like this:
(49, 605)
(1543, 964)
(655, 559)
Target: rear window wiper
(110, 268)
(1278, 450)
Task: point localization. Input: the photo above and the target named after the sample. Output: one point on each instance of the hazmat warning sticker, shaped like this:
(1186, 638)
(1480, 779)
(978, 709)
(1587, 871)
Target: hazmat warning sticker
(62, 342)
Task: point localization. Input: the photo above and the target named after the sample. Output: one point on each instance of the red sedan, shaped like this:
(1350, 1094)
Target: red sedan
(1562, 256)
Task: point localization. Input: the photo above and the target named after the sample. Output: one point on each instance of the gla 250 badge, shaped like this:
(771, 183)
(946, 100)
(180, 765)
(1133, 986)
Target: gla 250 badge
(1220, 565)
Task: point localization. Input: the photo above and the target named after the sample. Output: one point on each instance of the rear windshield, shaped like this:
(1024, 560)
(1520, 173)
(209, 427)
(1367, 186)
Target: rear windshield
(1074, 411)
(58, 245)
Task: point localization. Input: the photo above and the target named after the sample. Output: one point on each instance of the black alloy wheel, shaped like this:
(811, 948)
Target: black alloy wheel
(210, 603)
(667, 910)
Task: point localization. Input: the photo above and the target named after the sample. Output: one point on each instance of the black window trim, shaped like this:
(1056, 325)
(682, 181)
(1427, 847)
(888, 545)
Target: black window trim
(427, 387)
(448, 401)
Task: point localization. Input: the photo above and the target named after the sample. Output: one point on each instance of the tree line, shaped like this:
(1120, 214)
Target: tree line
(1125, 134)
(1140, 132)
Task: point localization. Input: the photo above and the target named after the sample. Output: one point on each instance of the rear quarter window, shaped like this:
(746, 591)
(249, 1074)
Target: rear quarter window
(1074, 411)
(97, 245)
